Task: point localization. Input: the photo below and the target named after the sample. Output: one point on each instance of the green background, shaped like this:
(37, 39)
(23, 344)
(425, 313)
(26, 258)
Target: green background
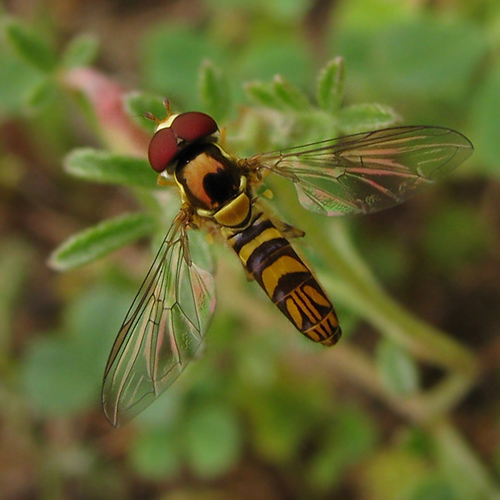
(405, 407)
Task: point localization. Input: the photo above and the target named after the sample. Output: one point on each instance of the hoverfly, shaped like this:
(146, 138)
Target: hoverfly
(360, 173)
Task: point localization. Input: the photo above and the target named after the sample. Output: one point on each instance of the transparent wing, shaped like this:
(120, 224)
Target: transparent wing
(366, 172)
(162, 330)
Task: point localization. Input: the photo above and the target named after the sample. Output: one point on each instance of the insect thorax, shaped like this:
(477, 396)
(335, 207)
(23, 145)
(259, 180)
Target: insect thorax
(212, 182)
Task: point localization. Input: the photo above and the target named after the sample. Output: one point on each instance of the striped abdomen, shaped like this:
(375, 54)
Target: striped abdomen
(272, 262)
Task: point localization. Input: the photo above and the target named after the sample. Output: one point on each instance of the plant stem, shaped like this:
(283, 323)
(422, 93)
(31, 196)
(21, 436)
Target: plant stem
(356, 285)
(461, 464)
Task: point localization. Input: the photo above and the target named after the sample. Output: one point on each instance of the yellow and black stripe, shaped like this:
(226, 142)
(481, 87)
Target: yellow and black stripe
(271, 261)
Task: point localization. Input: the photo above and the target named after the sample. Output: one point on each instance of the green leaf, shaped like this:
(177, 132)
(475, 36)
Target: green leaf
(215, 90)
(330, 86)
(263, 94)
(43, 95)
(18, 80)
(154, 453)
(213, 440)
(349, 438)
(427, 57)
(290, 95)
(276, 52)
(171, 56)
(81, 51)
(414, 58)
(109, 168)
(31, 47)
(363, 117)
(279, 428)
(137, 104)
(53, 375)
(97, 241)
(61, 373)
(397, 369)
(486, 121)
(436, 488)
(392, 473)
(100, 309)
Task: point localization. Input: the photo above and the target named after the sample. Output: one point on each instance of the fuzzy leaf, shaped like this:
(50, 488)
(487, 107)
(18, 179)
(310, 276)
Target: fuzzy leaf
(81, 51)
(363, 117)
(330, 89)
(263, 94)
(215, 90)
(31, 47)
(42, 95)
(99, 240)
(137, 104)
(108, 168)
(290, 95)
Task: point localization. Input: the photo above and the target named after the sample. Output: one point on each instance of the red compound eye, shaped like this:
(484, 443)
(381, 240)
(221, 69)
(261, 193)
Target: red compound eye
(193, 125)
(162, 149)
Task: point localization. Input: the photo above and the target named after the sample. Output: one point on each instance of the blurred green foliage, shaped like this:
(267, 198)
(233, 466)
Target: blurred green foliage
(259, 398)
(61, 371)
